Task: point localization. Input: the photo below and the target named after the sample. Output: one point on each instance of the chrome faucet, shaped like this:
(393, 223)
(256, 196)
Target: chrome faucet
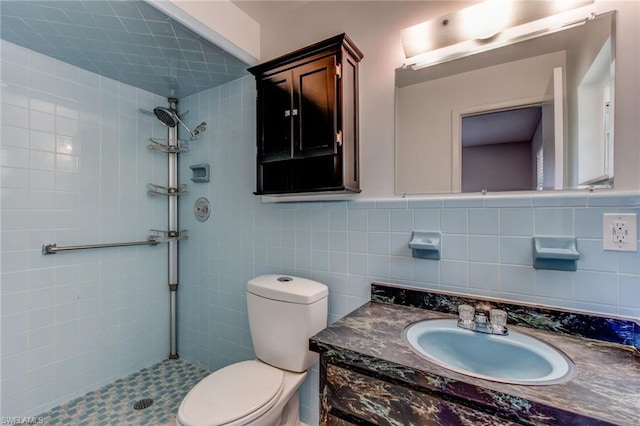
(477, 321)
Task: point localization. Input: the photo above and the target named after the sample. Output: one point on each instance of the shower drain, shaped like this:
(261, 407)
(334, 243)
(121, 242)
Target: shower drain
(143, 403)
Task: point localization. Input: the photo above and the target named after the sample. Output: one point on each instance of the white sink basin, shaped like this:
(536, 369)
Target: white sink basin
(516, 358)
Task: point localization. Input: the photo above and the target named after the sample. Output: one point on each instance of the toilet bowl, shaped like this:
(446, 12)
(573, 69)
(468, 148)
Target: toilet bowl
(245, 393)
(283, 313)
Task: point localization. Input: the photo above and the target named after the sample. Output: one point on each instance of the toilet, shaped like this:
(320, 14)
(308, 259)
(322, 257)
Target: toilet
(283, 313)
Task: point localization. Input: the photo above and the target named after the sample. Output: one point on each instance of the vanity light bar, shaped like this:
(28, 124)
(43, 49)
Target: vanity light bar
(480, 21)
(448, 37)
(509, 36)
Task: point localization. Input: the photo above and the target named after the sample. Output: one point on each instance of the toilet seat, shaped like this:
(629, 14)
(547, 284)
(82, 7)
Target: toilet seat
(244, 390)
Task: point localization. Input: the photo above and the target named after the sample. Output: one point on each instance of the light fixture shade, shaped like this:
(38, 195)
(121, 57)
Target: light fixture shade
(482, 21)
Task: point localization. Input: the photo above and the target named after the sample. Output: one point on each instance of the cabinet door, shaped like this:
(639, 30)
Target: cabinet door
(314, 113)
(275, 97)
(352, 395)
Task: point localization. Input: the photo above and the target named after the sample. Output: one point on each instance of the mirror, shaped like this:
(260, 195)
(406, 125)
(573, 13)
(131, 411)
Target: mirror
(538, 112)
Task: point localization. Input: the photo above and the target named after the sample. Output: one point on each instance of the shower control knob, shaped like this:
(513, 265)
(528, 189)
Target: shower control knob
(202, 209)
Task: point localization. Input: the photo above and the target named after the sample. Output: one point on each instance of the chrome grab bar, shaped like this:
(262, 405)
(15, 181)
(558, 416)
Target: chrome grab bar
(52, 248)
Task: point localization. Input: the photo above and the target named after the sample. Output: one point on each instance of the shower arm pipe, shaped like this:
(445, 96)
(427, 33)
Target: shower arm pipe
(52, 248)
(191, 134)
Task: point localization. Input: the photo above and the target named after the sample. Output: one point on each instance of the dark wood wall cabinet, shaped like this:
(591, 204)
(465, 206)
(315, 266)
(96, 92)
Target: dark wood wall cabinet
(307, 119)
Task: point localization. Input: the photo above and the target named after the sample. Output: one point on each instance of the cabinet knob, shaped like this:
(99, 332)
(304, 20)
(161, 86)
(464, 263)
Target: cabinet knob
(294, 112)
(339, 137)
(287, 112)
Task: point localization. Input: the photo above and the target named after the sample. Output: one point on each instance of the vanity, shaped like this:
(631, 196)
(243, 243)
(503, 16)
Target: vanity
(370, 375)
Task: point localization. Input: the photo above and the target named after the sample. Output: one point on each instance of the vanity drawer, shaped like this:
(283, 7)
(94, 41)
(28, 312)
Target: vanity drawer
(382, 403)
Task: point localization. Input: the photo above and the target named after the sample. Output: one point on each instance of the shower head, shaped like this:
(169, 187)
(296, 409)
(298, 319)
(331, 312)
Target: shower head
(202, 127)
(170, 118)
(166, 116)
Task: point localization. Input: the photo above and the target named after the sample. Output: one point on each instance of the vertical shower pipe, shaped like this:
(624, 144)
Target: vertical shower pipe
(174, 232)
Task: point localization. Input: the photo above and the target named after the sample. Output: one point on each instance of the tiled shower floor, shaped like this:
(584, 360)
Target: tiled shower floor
(112, 405)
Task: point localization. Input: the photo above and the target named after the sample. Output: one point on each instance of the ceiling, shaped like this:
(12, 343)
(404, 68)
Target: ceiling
(127, 40)
(516, 125)
(265, 10)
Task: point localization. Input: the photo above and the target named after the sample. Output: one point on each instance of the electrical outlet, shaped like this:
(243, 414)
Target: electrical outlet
(620, 232)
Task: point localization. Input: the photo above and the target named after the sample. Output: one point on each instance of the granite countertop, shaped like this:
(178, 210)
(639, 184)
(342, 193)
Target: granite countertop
(606, 389)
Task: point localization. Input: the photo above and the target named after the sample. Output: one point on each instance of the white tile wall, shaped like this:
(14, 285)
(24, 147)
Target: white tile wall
(486, 244)
(74, 171)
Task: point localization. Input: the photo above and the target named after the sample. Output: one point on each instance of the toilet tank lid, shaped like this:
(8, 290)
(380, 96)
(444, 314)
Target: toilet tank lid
(286, 288)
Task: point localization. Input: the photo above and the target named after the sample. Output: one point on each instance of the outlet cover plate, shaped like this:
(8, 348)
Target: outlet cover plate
(620, 231)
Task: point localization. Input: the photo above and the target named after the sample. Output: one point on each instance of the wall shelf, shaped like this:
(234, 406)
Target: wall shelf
(556, 253)
(425, 245)
(158, 145)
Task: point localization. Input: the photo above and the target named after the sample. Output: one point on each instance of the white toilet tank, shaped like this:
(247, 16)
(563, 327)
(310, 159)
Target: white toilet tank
(284, 312)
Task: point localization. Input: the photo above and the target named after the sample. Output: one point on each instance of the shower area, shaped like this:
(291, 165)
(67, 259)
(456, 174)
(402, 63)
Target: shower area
(106, 106)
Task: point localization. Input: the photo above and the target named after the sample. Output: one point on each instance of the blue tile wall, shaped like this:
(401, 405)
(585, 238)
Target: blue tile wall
(74, 169)
(486, 243)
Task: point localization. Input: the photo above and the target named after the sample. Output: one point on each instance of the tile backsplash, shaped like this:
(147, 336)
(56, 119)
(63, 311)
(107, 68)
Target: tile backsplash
(621, 331)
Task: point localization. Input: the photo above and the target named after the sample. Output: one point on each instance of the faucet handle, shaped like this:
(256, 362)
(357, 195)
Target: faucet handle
(466, 313)
(498, 319)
